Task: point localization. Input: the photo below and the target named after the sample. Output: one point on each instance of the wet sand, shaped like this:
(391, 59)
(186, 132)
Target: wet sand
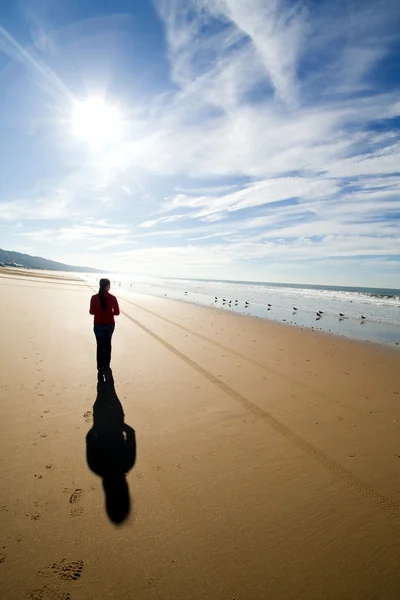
(268, 458)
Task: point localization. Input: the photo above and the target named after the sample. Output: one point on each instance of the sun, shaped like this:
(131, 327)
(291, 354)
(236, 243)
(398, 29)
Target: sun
(95, 122)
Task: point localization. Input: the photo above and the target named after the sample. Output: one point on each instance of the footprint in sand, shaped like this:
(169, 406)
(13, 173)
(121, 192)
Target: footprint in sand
(68, 571)
(49, 593)
(88, 415)
(2, 558)
(76, 496)
(76, 511)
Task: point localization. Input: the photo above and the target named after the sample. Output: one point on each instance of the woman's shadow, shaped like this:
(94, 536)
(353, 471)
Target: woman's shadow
(111, 448)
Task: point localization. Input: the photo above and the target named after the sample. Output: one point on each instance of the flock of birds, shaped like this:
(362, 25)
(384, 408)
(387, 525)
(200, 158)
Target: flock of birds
(229, 302)
(235, 303)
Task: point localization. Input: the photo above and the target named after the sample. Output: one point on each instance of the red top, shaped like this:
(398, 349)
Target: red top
(104, 317)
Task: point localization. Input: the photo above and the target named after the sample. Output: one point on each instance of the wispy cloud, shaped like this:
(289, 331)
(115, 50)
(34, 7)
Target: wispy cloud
(12, 48)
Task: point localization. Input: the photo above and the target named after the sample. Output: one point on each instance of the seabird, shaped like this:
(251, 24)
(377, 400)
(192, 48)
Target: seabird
(341, 315)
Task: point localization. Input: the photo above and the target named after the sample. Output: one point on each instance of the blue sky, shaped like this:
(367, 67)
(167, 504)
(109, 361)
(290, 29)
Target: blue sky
(242, 139)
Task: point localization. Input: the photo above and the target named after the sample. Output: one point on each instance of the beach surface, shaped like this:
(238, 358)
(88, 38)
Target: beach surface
(268, 457)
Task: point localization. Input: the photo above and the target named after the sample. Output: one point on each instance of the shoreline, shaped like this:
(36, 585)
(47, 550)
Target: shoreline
(371, 331)
(362, 320)
(395, 345)
(60, 276)
(328, 335)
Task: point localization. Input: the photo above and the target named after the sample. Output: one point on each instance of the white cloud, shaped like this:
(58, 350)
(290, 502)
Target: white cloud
(83, 232)
(155, 258)
(94, 233)
(276, 32)
(257, 194)
(167, 219)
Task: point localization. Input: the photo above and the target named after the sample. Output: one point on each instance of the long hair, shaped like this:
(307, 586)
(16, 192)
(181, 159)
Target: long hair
(103, 283)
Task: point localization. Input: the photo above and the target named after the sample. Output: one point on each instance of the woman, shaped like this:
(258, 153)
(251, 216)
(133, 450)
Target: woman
(104, 307)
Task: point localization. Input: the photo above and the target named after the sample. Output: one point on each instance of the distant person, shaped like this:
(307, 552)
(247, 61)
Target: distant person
(104, 307)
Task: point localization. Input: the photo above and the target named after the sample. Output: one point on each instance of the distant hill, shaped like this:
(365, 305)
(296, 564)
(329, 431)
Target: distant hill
(16, 259)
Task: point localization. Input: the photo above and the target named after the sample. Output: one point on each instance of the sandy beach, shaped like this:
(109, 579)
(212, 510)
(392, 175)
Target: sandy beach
(267, 467)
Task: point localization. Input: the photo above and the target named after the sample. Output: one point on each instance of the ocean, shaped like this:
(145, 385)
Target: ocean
(369, 314)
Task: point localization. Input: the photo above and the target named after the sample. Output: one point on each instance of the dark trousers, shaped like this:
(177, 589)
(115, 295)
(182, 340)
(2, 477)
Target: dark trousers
(103, 335)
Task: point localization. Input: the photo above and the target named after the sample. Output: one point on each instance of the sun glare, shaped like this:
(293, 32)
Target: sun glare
(95, 122)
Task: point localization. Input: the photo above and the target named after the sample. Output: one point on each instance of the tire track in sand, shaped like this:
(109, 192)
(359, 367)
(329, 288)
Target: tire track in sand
(389, 506)
(302, 384)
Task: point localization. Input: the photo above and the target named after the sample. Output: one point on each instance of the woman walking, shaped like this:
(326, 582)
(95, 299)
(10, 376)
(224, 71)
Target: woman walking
(104, 307)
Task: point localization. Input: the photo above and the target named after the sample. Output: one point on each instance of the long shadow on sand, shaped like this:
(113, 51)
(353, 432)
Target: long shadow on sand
(111, 449)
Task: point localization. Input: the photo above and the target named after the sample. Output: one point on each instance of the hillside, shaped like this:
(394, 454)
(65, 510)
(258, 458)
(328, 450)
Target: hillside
(16, 259)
